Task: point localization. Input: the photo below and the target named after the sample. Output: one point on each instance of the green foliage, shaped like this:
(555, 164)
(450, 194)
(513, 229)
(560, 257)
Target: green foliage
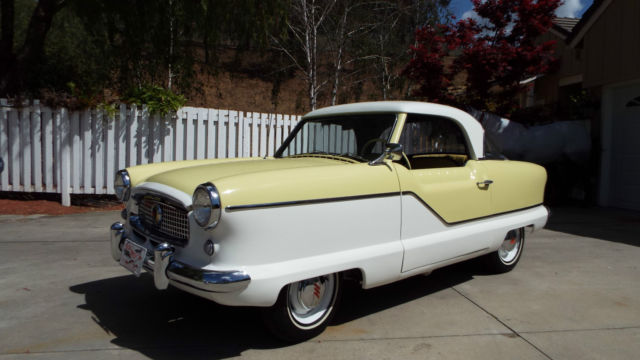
(110, 109)
(123, 44)
(158, 100)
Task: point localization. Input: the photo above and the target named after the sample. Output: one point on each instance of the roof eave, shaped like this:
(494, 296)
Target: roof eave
(588, 19)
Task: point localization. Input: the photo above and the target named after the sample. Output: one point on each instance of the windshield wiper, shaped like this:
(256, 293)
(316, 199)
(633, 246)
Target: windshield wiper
(329, 155)
(354, 157)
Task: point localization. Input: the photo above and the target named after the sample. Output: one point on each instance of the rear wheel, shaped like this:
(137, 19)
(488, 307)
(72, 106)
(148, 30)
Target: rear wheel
(508, 255)
(304, 308)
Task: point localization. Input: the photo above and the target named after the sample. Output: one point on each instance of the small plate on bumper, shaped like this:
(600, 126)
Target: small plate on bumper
(133, 256)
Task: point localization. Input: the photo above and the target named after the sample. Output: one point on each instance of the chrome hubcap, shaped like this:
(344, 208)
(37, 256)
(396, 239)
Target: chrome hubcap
(309, 294)
(310, 300)
(510, 248)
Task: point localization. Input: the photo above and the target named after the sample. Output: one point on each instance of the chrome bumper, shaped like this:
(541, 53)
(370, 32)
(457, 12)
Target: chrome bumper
(160, 263)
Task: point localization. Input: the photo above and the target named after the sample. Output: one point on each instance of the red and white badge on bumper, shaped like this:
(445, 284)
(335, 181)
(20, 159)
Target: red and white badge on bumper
(133, 256)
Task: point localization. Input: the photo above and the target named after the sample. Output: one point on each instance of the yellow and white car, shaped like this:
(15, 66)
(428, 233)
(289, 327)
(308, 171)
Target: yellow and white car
(380, 191)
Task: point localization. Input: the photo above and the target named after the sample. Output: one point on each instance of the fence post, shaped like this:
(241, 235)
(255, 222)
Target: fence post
(36, 143)
(48, 153)
(4, 145)
(65, 168)
(86, 161)
(109, 124)
(223, 115)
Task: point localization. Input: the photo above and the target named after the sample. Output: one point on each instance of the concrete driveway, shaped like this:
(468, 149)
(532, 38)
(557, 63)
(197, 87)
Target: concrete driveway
(574, 295)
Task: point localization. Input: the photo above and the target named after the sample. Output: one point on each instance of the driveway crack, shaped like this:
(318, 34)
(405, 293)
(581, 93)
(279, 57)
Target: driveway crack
(513, 331)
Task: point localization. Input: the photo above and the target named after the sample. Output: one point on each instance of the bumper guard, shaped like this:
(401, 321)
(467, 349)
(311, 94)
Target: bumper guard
(164, 268)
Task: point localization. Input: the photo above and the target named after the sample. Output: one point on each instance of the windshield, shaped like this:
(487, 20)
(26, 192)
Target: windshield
(357, 137)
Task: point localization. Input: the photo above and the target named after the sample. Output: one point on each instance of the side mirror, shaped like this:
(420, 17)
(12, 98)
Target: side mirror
(392, 151)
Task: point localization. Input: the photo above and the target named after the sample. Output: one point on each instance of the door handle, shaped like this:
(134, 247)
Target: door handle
(484, 183)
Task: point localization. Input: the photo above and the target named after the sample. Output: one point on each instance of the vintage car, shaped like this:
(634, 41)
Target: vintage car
(380, 191)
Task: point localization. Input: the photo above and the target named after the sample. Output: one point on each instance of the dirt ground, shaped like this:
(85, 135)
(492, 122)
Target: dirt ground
(50, 204)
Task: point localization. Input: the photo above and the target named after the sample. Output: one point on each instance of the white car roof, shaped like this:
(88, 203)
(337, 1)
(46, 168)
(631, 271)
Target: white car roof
(473, 128)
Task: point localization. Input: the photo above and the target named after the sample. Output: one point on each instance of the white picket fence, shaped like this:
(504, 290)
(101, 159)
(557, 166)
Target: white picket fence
(78, 152)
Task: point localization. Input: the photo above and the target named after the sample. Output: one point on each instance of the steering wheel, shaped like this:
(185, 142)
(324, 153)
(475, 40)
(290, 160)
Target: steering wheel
(371, 143)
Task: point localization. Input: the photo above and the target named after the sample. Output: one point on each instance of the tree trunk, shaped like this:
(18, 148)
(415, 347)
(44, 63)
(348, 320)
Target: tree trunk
(13, 78)
(338, 63)
(7, 56)
(6, 39)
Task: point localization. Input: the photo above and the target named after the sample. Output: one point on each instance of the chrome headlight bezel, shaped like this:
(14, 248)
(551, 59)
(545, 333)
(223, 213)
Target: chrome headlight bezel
(122, 185)
(206, 206)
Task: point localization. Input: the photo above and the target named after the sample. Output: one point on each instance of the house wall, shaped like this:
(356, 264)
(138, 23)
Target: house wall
(612, 45)
(570, 65)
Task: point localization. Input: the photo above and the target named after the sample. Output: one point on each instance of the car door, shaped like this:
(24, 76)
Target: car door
(443, 190)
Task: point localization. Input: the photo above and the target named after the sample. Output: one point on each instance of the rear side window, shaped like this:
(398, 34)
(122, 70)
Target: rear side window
(433, 141)
(424, 134)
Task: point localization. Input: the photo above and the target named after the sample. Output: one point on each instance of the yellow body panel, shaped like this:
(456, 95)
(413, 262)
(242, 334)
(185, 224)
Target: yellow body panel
(454, 194)
(141, 173)
(267, 181)
(451, 192)
(516, 184)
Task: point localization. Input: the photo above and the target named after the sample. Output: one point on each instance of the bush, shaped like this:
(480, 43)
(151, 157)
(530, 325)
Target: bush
(158, 100)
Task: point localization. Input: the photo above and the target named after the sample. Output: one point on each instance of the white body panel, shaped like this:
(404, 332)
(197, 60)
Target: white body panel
(379, 259)
(294, 243)
(429, 243)
(318, 239)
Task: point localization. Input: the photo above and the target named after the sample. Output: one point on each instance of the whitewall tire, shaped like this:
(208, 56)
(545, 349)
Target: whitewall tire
(304, 308)
(508, 254)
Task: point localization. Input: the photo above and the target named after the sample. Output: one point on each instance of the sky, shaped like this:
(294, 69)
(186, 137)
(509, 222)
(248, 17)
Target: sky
(570, 8)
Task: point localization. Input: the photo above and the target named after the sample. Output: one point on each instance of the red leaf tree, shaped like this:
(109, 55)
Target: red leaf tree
(489, 57)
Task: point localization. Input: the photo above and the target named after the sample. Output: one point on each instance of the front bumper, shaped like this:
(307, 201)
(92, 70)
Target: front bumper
(160, 262)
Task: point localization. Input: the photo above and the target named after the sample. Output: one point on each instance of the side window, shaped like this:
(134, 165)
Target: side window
(433, 142)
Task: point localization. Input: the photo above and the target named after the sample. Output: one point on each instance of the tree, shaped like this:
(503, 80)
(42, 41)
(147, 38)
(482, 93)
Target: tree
(393, 35)
(85, 46)
(343, 45)
(301, 44)
(14, 65)
(494, 54)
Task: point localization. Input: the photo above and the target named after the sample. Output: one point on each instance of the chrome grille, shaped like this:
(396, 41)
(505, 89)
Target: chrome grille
(174, 221)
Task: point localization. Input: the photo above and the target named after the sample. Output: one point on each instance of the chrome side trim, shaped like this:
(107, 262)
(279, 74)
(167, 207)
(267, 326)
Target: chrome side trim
(308, 202)
(460, 256)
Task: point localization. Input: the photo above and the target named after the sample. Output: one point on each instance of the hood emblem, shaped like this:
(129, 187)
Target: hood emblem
(156, 214)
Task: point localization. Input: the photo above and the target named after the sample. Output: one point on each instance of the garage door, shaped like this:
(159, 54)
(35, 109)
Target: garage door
(625, 146)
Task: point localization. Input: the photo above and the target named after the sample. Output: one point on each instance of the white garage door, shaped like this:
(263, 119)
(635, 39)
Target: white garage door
(625, 148)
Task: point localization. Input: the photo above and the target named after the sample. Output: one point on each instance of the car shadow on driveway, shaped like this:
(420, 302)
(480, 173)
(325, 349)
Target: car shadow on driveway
(616, 225)
(173, 324)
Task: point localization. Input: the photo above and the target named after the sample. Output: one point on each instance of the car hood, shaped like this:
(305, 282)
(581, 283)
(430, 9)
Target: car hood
(270, 180)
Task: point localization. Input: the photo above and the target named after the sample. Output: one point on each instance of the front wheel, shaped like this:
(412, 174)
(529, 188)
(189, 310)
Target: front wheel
(508, 255)
(304, 308)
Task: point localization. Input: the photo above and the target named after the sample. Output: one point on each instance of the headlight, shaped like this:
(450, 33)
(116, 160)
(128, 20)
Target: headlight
(122, 185)
(206, 206)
